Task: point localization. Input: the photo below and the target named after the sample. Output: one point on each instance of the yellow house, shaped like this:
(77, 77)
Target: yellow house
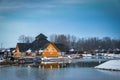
(41, 46)
(51, 51)
(17, 53)
(21, 49)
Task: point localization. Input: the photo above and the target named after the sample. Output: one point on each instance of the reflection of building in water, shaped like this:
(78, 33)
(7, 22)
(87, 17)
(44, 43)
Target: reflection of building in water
(50, 66)
(54, 65)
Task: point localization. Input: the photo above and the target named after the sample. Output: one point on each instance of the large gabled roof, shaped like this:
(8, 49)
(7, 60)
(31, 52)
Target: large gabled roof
(61, 47)
(23, 47)
(37, 45)
(41, 37)
(40, 43)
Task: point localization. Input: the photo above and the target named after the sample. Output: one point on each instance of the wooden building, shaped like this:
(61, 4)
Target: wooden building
(51, 50)
(39, 47)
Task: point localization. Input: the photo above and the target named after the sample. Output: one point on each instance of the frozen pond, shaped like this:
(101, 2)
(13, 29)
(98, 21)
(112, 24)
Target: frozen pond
(75, 71)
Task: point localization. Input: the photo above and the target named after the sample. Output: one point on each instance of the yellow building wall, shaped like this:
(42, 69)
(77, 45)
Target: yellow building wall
(17, 53)
(51, 51)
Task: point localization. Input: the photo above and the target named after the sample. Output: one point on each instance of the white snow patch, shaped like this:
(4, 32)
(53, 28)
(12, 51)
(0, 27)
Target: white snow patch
(71, 50)
(29, 50)
(40, 51)
(2, 60)
(13, 51)
(3, 50)
(110, 65)
(87, 55)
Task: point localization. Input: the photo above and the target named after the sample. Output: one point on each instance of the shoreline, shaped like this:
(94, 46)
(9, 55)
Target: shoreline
(73, 62)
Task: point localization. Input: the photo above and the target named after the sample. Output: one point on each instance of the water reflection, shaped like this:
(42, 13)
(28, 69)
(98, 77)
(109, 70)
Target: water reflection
(110, 73)
(53, 70)
(52, 65)
(59, 71)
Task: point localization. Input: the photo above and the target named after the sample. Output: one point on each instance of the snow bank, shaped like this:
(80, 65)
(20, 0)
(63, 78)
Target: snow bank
(110, 65)
(86, 55)
(112, 55)
(2, 60)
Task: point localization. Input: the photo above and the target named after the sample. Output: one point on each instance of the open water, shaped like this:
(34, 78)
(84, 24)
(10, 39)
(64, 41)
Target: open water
(72, 71)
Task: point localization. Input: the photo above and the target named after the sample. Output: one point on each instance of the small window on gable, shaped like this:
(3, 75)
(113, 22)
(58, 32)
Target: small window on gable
(47, 49)
(53, 49)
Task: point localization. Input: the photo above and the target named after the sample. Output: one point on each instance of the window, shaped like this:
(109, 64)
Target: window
(53, 49)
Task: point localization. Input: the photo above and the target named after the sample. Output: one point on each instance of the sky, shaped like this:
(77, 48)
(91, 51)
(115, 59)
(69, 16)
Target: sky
(81, 18)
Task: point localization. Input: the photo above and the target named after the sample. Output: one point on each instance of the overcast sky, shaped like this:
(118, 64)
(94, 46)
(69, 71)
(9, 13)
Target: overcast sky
(81, 18)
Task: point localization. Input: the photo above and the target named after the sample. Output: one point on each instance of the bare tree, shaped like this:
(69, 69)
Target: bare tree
(60, 39)
(83, 44)
(71, 40)
(21, 39)
(25, 39)
(53, 37)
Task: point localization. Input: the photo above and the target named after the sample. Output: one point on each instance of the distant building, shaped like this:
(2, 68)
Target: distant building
(39, 47)
(1, 53)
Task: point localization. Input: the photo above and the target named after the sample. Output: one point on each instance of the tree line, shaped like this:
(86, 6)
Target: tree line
(79, 44)
(86, 44)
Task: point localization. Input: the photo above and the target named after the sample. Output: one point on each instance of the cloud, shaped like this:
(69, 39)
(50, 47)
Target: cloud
(18, 4)
(8, 5)
(36, 6)
(14, 5)
(70, 1)
(39, 6)
(52, 6)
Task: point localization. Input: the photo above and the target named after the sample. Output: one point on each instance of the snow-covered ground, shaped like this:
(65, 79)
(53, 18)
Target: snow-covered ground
(2, 60)
(112, 55)
(86, 55)
(110, 65)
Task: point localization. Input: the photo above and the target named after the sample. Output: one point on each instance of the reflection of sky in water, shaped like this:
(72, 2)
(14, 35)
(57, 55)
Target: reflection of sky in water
(110, 73)
(68, 73)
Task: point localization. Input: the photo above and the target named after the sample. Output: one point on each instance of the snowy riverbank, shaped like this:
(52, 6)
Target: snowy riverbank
(110, 65)
(2, 60)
